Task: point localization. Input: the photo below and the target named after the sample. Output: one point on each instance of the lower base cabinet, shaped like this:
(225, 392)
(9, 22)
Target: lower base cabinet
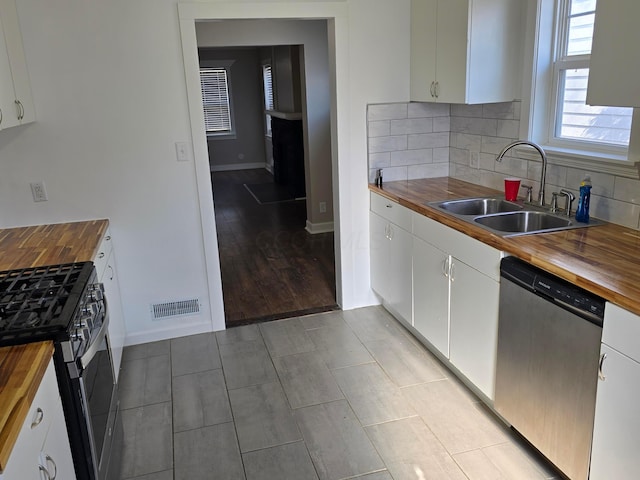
(42, 450)
(616, 430)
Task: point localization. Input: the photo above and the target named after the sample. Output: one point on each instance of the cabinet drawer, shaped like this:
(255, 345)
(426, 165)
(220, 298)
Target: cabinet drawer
(101, 258)
(391, 211)
(473, 252)
(621, 330)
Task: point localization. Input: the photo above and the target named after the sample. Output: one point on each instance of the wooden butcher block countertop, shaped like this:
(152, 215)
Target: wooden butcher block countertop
(22, 367)
(602, 259)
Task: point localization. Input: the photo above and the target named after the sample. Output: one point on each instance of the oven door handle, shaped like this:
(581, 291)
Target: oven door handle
(95, 345)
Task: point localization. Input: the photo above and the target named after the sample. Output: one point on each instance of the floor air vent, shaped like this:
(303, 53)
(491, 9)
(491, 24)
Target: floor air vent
(160, 311)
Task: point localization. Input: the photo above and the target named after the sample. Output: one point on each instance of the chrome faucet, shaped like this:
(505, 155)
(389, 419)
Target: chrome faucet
(544, 163)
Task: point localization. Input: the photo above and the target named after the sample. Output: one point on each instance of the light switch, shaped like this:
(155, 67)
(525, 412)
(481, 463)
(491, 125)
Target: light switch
(182, 151)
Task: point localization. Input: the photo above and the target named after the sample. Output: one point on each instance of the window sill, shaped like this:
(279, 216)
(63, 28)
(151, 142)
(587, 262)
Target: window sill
(221, 136)
(617, 165)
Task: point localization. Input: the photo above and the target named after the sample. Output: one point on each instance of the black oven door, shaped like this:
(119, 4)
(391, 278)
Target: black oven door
(96, 390)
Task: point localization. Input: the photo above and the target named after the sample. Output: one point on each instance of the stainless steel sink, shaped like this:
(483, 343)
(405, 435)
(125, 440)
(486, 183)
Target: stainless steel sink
(525, 222)
(509, 219)
(479, 206)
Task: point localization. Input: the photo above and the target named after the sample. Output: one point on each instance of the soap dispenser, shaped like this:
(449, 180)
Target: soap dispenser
(582, 212)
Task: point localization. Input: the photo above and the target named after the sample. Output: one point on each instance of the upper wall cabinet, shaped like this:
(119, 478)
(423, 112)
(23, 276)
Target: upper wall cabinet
(465, 51)
(16, 104)
(615, 58)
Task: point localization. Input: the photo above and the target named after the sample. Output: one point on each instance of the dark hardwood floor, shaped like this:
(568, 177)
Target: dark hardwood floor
(271, 267)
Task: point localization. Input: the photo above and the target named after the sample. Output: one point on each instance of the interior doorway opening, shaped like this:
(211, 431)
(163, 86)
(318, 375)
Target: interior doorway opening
(271, 174)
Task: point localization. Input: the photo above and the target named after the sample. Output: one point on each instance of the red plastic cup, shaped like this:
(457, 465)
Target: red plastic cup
(511, 187)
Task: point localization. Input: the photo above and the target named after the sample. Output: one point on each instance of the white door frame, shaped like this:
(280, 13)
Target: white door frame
(336, 15)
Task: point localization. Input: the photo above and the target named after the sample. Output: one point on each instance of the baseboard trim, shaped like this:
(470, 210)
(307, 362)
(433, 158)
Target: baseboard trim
(237, 166)
(314, 228)
(166, 333)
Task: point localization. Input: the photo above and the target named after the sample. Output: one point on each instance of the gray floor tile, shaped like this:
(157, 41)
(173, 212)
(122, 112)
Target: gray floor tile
(339, 346)
(145, 381)
(405, 362)
(458, 423)
(145, 350)
(383, 475)
(166, 475)
(263, 417)
(148, 440)
(195, 353)
(410, 450)
(501, 462)
(322, 320)
(286, 337)
(246, 363)
(337, 442)
(373, 323)
(245, 333)
(306, 379)
(286, 462)
(208, 453)
(373, 397)
(199, 400)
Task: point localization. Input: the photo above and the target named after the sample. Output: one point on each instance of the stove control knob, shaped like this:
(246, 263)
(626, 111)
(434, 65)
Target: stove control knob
(81, 334)
(90, 309)
(96, 292)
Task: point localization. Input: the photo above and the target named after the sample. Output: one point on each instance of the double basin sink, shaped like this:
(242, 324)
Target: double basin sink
(507, 218)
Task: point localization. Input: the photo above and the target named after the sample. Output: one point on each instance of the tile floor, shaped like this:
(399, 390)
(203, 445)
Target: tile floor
(330, 396)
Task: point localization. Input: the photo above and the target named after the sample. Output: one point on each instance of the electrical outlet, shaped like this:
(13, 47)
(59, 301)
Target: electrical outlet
(38, 191)
(323, 207)
(474, 159)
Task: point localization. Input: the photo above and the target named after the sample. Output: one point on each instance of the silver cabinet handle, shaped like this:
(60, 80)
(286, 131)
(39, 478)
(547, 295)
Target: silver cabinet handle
(437, 89)
(45, 472)
(601, 374)
(101, 255)
(390, 232)
(452, 272)
(445, 267)
(107, 238)
(1, 116)
(38, 418)
(48, 460)
(112, 274)
(20, 109)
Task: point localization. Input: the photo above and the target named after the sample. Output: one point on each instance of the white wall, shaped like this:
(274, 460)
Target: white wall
(109, 89)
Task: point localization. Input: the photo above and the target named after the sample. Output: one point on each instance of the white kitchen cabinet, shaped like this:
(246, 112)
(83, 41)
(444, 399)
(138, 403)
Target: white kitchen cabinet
(431, 294)
(105, 263)
(614, 66)
(42, 442)
(16, 103)
(391, 244)
(616, 432)
(456, 294)
(465, 51)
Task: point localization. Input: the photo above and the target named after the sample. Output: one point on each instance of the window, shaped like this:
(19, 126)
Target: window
(216, 101)
(574, 122)
(269, 104)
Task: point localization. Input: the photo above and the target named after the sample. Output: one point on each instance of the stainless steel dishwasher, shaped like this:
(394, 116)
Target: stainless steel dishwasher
(549, 334)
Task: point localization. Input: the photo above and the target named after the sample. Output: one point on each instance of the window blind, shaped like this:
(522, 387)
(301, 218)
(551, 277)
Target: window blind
(215, 100)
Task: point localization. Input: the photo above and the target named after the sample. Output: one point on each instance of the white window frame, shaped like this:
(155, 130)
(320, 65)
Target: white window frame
(268, 106)
(540, 100)
(223, 65)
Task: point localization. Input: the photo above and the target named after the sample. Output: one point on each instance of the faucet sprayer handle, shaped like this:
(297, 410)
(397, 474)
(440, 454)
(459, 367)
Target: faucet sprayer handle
(529, 192)
(570, 198)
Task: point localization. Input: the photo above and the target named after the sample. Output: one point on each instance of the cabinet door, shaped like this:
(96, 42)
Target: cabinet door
(423, 49)
(8, 111)
(56, 452)
(451, 53)
(24, 112)
(399, 274)
(616, 431)
(117, 331)
(431, 294)
(474, 325)
(379, 254)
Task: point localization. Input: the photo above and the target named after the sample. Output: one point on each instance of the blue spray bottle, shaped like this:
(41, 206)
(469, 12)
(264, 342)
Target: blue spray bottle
(582, 212)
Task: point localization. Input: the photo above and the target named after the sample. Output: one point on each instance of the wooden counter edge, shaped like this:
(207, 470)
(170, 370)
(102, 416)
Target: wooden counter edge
(31, 361)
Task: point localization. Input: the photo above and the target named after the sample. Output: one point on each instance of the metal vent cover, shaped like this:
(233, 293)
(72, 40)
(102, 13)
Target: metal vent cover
(160, 311)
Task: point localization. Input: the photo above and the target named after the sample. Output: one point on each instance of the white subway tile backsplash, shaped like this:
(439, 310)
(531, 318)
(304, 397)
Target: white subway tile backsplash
(411, 157)
(379, 128)
(627, 190)
(387, 111)
(425, 140)
(387, 144)
(379, 160)
(420, 109)
(411, 125)
(428, 140)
